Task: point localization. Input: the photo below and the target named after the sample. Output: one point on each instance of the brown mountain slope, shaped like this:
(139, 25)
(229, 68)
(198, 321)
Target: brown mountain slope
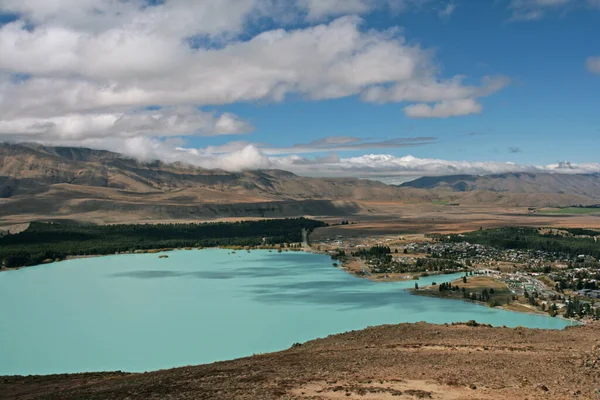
(38, 182)
(407, 361)
(29, 169)
(586, 185)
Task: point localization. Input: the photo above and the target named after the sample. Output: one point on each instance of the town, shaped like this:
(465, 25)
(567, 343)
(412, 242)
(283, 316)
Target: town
(521, 279)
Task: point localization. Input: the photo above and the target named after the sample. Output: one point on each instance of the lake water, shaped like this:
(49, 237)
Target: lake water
(139, 313)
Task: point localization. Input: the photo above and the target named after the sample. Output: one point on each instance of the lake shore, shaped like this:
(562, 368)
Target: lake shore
(352, 266)
(486, 283)
(163, 250)
(404, 361)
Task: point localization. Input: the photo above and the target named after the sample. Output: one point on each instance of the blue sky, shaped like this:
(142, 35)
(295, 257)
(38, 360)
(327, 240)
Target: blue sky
(463, 86)
(551, 111)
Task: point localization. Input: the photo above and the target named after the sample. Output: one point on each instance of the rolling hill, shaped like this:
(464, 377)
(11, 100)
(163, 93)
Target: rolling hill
(47, 183)
(567, 184)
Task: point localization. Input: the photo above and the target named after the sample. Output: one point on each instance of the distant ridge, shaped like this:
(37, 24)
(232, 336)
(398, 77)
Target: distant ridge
(79, 183)
(521, 182)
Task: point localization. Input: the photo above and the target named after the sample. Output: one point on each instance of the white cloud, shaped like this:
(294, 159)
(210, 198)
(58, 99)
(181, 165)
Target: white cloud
(87, 69)
(593, 65)
(447, 11)
(452, 97)
(128, 70)
(148, 149)
(176, 18)
(528, 10)
(384, 167)
(444, 109)
(176, 121)
(318, 9)
(428, 89)
(238, 156)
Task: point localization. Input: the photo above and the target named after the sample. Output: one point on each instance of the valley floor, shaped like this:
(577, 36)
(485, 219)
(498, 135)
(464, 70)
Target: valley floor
(407, 361)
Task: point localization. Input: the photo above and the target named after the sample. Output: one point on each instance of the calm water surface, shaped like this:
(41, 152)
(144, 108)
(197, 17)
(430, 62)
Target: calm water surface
(140, 313)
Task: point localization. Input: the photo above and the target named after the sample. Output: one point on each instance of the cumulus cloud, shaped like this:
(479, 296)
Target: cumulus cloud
(319, 9)
(176, 121)
(92, 72)
(452, 97)
(593, 65)
(444, 109)
(172, 150)
(429, 89)
(239, 156)
(374, 166)
(212, 17)
(387, 167)
(139, 56)
(118, 74)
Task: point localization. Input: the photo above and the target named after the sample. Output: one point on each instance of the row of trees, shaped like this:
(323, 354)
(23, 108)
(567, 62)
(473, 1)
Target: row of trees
(586, 278)
(577, 308)
(438, 264)
(447, 286)
(50, 241)
(531, 239)
(378, 251)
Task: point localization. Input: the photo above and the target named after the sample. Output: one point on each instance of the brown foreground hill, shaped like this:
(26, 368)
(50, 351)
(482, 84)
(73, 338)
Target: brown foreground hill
(66, 183)
(407, 361)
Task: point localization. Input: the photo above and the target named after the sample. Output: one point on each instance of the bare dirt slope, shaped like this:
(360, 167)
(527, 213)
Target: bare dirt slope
(407, 361)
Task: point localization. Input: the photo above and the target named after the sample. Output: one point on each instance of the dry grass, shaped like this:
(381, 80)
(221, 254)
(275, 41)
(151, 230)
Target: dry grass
(401, 220)
(407, 361)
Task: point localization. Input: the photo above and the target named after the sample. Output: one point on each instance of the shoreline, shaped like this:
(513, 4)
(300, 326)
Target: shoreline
(423, 293)
(305, 249)
(393, 277)
(158, 251)
(436, 360)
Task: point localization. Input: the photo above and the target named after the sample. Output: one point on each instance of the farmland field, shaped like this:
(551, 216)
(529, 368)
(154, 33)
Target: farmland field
(570, 210)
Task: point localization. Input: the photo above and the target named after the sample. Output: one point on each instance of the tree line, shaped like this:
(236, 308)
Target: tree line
(531, 239)
(43, 242)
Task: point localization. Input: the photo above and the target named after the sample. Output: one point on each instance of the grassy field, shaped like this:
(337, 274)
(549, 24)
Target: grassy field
(474, 284)
(570, 210)
(439, 202)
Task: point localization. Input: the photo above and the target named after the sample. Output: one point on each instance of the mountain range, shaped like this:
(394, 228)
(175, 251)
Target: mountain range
(587, 185)
(79, 183)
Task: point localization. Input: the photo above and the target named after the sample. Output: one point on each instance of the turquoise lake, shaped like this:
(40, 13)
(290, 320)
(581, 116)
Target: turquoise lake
(140, 313)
